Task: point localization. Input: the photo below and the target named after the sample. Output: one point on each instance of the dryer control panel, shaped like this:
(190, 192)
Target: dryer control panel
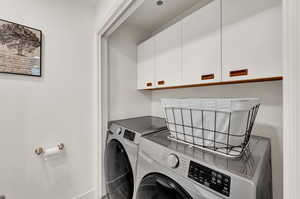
(129, 135)
(212, 179)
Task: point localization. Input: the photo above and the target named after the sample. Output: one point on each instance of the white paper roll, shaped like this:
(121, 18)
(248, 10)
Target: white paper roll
(52, 151)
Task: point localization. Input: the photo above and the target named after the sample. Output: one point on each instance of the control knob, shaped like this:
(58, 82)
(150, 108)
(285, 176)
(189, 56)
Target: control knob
(173, 161)
(119, 131)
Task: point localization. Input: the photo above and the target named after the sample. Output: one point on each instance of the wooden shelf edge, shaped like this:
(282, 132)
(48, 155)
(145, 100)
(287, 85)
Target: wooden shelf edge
(267, 79)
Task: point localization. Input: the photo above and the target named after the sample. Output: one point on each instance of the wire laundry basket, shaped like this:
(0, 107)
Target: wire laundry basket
(222, 131)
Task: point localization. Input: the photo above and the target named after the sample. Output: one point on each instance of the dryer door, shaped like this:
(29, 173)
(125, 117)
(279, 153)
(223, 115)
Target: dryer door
(159, 186)
(118, 172)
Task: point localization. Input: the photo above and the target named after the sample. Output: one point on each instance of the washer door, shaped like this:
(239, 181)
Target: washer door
(118, 172)
(159, 186)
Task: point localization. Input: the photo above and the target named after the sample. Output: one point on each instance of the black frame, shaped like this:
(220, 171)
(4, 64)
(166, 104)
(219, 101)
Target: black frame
(41, 55)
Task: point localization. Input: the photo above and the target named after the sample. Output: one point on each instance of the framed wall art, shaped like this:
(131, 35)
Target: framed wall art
(20, 49)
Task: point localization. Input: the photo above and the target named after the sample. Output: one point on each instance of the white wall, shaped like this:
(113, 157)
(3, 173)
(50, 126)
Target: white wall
(59, 107)
(291, 99)
(124, 99)
(268, 123)
(103, 11)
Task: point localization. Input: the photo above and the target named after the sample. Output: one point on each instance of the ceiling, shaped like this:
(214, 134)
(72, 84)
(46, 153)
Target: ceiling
(151, 17)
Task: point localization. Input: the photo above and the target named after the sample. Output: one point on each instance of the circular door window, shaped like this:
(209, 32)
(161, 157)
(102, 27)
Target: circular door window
(158, 186)
(118, 172)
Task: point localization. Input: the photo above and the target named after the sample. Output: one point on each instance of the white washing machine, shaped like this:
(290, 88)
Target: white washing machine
(171, 170)
(121, 152)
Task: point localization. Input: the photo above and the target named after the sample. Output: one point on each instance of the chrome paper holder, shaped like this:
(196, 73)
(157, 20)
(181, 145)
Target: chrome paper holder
(40, 150)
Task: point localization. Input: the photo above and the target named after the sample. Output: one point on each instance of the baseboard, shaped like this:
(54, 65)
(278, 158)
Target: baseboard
(87, 195)
(104, 197)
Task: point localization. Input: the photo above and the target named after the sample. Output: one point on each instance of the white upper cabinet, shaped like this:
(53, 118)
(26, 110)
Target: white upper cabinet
(201, 49)
(146, 65)
(168, 57)
(252, 39)
(224, 40)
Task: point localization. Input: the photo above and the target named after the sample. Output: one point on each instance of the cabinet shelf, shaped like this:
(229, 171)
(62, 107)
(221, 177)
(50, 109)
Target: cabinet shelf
(222, 83)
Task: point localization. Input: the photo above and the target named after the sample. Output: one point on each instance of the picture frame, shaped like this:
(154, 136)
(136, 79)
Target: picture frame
(20, 49)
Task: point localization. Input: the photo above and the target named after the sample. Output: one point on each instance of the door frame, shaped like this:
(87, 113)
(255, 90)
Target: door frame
(291, 99)
(291, 89)
(119, 12)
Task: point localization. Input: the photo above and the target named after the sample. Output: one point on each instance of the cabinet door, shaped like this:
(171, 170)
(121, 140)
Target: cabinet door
(201, 52)
(168, 56)
(146, 65)
(252, 39)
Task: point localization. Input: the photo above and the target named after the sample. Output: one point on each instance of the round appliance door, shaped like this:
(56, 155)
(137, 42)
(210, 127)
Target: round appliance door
(159, 186)
(118, 172)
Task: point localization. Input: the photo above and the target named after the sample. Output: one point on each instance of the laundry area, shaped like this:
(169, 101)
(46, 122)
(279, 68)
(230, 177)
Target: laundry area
(192, 100)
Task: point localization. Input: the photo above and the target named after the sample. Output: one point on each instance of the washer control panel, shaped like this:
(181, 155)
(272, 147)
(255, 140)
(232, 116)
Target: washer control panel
(212, 179)
(129, 135)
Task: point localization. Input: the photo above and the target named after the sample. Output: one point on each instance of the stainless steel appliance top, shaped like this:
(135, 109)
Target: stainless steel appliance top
(246, 166)
(142, 125)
